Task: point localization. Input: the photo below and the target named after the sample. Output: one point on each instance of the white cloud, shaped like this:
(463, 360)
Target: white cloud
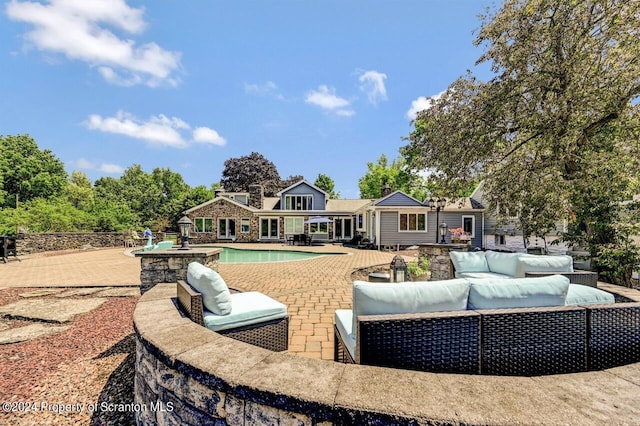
(372, 83)
(82, 30)
(260, 89)
(421, 104)
(112, 169)
(157, 130)
(327, 99)
(208, 136)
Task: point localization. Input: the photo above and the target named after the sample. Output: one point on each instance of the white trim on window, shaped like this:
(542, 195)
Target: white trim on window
(294, 225)
(270, 222)
(203, 224)
(245, 225)
(412, 222)
(298, 202)
(472, 234)
(228, 224)
(361, 222)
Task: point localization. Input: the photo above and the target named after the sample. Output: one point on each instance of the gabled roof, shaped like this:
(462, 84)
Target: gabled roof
(340, 205)
(217, 199)
(304, 181)
(398, 198)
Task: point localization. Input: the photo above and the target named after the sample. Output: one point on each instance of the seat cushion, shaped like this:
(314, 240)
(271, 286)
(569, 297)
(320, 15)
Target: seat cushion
(585, 295)
(531, 263)
(247, 308)
(216, 297)
(492, 275)
(344, 324)
(404, 298)
(518, 292)
(502, 263)
(469, 261)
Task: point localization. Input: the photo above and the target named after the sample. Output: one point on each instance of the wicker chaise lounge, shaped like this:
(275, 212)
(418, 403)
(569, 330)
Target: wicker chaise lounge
(249, 317)
(517, 341)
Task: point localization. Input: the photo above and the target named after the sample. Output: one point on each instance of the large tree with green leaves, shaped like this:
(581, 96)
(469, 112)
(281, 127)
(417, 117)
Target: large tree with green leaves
(27, 172)
(560, 104)
(395, 175)
(327, 184)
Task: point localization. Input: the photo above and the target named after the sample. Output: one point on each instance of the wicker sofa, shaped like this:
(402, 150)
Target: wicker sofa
(251, 317)
(435, 326)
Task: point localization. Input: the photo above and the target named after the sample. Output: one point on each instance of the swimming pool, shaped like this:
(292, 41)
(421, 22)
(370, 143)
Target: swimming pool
(234, 255)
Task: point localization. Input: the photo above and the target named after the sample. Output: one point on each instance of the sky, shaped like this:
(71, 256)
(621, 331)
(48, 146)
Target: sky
(314, 86)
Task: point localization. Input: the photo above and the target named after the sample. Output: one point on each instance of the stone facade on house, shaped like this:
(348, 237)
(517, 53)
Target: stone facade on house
(225, 209)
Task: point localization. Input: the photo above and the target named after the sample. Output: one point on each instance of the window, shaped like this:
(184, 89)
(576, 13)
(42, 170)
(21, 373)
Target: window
(360, 221)
(226, 228)
(298, 202)
(293, 225)
(412, 222)
(269, 228)
(469, 225)
(203, 224)
(499, 240)
(318, 228)
(342, 228)
(245, 225)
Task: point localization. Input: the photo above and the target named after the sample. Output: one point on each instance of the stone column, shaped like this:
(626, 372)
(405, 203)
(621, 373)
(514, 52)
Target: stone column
(439, 261)
(169, 266)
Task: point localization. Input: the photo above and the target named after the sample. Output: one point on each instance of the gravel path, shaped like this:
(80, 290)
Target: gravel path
(64, 376)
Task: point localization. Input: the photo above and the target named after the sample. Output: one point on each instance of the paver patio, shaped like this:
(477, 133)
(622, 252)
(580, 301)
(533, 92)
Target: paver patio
(312, 289)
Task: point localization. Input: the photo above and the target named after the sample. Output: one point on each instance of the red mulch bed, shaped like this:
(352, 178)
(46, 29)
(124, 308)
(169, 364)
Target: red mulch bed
(52, 367)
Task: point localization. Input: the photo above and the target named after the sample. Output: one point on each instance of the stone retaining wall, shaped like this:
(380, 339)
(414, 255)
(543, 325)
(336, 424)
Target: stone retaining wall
(186, 374)
(36, 243)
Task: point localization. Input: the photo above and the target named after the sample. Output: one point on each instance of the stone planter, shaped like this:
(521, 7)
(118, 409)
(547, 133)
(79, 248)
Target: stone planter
(423, 277)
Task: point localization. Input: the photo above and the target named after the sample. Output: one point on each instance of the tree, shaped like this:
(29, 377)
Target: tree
(560, 103)
(251, 169)
(327, 184)
(396, 175)
(27, 172)
(291, 180)
(80, 191)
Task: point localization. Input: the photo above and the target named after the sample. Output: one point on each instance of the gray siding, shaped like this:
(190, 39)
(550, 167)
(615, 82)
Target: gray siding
(319, 202)
(454, 220)
(398, 199)
(390, 236)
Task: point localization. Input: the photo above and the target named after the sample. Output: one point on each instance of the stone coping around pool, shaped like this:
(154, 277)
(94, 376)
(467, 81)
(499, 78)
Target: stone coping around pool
(177, 252)
(208, 377)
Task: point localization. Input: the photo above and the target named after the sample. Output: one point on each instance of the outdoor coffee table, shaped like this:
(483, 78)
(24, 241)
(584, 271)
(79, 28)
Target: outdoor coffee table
(576, 277)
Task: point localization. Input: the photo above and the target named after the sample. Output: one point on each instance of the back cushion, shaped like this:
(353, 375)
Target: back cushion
(531, 263)
(585, 295)
(409, 297)
(502, 263)
(216, 297)
(469, 261)
(518, 292)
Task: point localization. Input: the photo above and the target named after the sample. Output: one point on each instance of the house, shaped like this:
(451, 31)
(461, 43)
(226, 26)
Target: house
(393, 220)
(505, 235)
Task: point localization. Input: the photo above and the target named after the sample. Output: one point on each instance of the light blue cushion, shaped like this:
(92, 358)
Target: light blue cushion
(518, 292)
(215, 293)
(532, 263)
(481, 275)
(344, 324)
(469, 261)
(502, 263)
(248, 308)
(585, 295)
(410, 297)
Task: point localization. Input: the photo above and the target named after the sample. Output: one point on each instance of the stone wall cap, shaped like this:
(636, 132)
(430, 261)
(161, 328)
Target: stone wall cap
(195, 252)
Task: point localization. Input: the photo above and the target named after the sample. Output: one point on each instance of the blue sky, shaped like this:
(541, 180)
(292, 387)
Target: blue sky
(314, 86)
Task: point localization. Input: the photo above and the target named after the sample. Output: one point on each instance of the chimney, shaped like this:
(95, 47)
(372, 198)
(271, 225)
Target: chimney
(386, 190)
(256, 194)
(218, 192)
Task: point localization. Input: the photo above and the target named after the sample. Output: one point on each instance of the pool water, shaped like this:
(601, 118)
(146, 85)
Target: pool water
(233, 255)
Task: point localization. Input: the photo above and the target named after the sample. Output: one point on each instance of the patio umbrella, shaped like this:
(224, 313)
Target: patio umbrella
(318, 219)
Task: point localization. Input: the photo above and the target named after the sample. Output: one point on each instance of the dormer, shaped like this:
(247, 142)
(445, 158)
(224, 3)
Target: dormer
(303, 196)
